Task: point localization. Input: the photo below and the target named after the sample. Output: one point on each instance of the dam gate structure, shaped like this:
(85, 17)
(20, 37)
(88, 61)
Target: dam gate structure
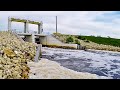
(39, 38)
(26, 35)
(29, 37)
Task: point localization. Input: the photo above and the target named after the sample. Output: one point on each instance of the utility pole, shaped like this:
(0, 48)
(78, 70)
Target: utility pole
(56, 24)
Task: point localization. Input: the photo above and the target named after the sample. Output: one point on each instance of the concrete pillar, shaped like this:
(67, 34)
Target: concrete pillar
(25, 27)
(40, 26)
(39, 30)
(30, 38)
(33, 38)
(9, 24)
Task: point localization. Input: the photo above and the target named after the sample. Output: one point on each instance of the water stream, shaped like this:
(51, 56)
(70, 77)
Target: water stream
(102, 63)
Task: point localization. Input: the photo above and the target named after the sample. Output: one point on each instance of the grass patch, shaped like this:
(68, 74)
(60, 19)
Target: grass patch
(101, 40)
(77, 41)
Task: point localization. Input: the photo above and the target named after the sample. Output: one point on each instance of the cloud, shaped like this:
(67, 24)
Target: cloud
(104, 23)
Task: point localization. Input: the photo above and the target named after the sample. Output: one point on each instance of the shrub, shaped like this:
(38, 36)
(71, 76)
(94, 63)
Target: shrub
(77, 42)
(83, 38)
(79, 37)
(98, 36)
(69, 39)
(86, 41)
(108, 36)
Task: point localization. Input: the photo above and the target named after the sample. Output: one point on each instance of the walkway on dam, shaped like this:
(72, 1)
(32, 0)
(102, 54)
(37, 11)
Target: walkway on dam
(29, 34)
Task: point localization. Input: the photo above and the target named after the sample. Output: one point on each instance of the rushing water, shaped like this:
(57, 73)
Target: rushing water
(102, 63)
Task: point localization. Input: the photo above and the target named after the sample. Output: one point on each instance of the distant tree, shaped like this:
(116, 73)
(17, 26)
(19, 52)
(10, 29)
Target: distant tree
(83, 38)
(79, 37)
(92, 35)
(98, 36)
(108, 36)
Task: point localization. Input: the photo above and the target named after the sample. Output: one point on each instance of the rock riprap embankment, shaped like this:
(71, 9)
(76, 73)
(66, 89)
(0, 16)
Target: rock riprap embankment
(14, 56)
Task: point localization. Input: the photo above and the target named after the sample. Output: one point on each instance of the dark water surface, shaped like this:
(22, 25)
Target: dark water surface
(102, 63)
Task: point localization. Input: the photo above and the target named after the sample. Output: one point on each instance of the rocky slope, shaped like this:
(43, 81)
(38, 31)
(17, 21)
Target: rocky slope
(14, 55)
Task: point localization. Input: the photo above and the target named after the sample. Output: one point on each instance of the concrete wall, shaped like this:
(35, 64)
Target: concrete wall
(30, 38)
(50, 40)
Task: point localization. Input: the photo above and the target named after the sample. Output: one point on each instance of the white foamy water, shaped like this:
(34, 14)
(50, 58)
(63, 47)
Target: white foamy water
(105, 63)
(46, 69)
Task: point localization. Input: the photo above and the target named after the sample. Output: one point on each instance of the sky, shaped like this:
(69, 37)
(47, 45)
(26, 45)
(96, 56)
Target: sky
(97, 23)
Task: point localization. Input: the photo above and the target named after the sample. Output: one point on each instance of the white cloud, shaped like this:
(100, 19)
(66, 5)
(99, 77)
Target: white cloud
(69, 22)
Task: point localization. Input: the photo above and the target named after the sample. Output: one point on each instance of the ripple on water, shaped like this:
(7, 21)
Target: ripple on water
(116, 61)
(114, 67)
(102, 63)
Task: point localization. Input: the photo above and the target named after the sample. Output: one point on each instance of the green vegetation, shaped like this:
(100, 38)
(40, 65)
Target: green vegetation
(77, 41)
(69, 39)
(80, 37)
(101, 40)
(87, 41)
(91, 42)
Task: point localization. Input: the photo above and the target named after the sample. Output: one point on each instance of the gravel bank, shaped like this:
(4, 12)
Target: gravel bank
(14, 56)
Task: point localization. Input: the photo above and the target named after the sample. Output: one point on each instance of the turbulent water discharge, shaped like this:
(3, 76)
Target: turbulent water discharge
(102, 63)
